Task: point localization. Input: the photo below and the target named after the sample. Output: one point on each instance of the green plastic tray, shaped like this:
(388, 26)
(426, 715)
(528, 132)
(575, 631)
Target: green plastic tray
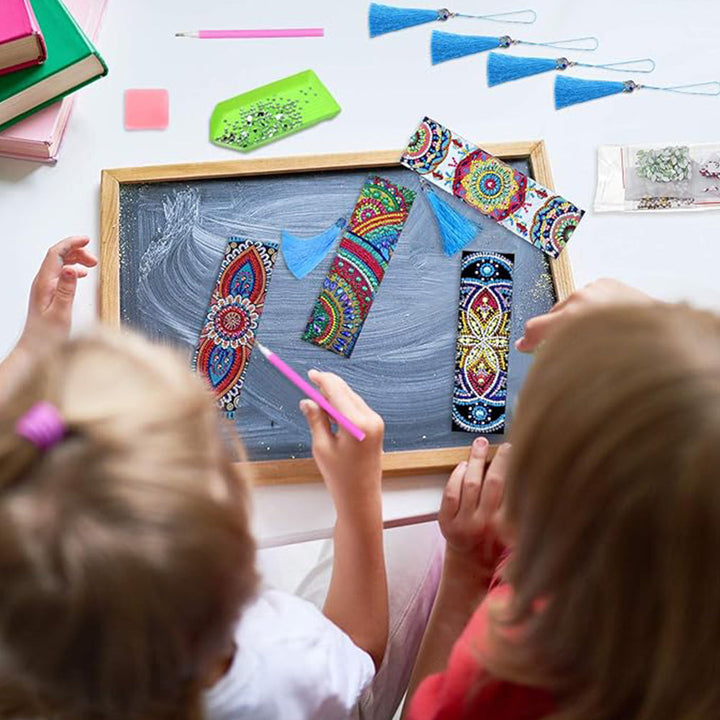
(271, 112)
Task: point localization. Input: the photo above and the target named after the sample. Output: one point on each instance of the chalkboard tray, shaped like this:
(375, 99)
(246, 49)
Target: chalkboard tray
(163, 231)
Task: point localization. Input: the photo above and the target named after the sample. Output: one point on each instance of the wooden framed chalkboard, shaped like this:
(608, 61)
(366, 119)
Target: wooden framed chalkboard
(163, 231)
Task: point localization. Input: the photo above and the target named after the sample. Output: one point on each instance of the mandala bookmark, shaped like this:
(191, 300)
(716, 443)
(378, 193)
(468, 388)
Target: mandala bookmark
(237, 302)
(358, 268)
(483, 338)
(492, 187)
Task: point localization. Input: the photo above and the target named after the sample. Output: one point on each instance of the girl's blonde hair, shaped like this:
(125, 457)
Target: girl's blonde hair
(614, 499)
(125, 553)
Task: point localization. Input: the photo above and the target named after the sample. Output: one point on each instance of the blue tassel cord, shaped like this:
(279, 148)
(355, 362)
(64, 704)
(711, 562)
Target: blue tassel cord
(571, 91)
(503, 68)
(385, 19)
(304, 254)
(448, 46)
(456, 231)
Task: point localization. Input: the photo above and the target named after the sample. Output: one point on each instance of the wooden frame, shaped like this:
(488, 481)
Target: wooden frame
(272, 472)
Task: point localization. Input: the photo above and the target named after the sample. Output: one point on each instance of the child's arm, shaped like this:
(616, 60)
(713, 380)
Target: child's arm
(596, 294)
(469, 521)
(49, 307)
(357, 600)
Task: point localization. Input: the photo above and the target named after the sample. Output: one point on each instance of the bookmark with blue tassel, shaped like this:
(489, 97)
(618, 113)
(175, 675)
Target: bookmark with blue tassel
(304, 254)
(448, 46)
(571, 91)
(456, 231)
(386, 18)
(504, 68)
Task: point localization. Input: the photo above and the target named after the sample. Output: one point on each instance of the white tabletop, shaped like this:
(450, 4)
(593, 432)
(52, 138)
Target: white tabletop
(384, 86)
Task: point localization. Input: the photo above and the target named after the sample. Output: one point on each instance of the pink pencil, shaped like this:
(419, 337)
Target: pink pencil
(253, 34)
(311, 392)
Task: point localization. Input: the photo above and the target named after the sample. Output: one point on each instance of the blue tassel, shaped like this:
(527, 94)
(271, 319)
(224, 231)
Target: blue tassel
(304, 254)
(456, 230)
(570, 91)
(448, 46)
(384, 18)
(503, 68)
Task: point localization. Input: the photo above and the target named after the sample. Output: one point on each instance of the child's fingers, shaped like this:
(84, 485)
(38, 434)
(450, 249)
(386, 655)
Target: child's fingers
(336, 390)
(47, 275)
(536, 330)
(452, 495)
(318, 422)
(472, 484)
(349, 403)
(56, 255)
(80, 271)
(79, 256)
(60, 308)
(494, 483)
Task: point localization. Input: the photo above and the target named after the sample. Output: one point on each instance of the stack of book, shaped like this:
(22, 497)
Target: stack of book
(45, 55)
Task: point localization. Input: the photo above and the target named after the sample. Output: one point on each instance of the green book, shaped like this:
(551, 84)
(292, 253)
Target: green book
(72, 62)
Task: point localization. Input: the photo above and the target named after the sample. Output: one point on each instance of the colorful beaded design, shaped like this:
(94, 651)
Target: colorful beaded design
(492, 187)
(237, 302)
(358, 268)
(483, 337)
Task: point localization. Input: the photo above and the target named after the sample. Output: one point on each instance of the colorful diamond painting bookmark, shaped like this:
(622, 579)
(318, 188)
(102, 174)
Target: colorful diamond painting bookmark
(236, 304)
(358, 268)
(486, 183)
(483, 338)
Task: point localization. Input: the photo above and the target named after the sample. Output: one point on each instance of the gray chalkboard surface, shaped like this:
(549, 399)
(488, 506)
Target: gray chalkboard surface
(171, 239)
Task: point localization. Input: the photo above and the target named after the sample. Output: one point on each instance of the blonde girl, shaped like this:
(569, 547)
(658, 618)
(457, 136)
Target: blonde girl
(129, 589)
(608, 606)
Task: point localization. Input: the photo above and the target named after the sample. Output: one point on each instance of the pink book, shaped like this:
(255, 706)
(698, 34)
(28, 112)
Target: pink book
(21, 42)
(38, 137)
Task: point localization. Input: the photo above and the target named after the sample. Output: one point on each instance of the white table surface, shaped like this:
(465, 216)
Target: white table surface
(384, 86)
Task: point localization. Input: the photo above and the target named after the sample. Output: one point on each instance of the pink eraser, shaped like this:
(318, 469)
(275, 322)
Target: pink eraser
(146, 109)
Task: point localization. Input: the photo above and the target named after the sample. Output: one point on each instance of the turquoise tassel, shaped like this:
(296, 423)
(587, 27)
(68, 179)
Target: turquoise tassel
(503, 68)
(304, 254)
(570, 91)
(384, 18)
(448, 46)
(456, 230)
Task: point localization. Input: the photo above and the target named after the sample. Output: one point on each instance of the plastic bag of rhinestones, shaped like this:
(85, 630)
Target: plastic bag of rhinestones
(678, 176)
(665, 172)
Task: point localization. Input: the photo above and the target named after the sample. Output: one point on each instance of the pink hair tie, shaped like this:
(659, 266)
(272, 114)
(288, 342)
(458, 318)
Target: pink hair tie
(42, 425)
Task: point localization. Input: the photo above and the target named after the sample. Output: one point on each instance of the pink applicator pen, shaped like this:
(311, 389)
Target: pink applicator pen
(253, 34)
(311, 392)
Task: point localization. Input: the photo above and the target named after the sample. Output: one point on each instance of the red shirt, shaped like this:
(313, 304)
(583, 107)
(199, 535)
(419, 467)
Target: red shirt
(465, 690)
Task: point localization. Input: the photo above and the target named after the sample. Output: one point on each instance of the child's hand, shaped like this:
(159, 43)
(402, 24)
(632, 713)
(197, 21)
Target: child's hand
(596, 294)
(468, 514)
(53, 290)
(357, 599)
(352, 470)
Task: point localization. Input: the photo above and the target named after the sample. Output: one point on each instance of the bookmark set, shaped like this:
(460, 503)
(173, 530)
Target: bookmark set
(445, 162)
(237, 302)
(503, 68)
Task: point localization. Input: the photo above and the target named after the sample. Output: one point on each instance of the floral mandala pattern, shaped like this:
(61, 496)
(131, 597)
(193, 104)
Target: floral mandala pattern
(482, 347)
(553, 225)
(489, 185)
(428, 147)
(232, 322)
(494, 188)
(228, 335)
(359, 266)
